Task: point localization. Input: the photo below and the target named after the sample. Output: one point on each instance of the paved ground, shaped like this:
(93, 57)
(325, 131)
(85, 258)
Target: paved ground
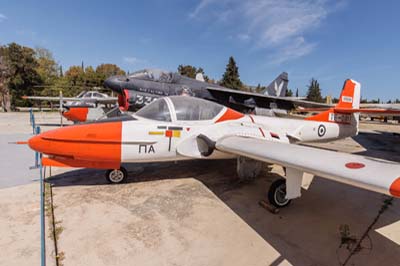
(16, 159)
(195, 213)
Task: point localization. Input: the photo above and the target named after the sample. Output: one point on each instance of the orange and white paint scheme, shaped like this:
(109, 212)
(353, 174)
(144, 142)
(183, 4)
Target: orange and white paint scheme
(183, 128)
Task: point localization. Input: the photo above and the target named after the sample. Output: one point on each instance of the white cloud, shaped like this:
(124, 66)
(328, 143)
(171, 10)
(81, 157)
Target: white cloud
(2, 17)
(279, 26)
(298, 48)
(243, 36)
(202, 5)
(133, 60)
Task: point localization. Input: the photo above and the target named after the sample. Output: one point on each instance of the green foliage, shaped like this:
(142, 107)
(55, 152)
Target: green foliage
(105, 71)
(22, 66)
(191, 71)
(289, 93)
(47, 67)
(4, 78)
(231, 79)
(314, 92)
(25, 71)
(259, 88)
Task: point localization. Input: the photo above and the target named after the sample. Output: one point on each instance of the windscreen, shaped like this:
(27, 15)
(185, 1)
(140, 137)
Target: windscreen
(142, 74)
(157, 110)
(191, 108)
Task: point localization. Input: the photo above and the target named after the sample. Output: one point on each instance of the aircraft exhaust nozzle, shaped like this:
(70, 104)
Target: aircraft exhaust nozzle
(206, 146)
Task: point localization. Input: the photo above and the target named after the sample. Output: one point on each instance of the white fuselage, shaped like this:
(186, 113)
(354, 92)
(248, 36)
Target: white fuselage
(148, 140)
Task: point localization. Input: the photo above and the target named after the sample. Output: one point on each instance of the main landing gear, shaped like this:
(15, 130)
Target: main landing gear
(277, 194)
(117, 176)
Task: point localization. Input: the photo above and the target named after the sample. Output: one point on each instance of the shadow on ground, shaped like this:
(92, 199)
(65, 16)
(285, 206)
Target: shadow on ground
(378, 144)
(306, 233)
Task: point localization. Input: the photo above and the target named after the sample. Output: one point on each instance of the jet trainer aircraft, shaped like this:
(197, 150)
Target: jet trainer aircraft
(182, 128)
(144, 86)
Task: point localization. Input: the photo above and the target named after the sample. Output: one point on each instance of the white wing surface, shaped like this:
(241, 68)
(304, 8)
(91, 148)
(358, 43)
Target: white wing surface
(365, 172)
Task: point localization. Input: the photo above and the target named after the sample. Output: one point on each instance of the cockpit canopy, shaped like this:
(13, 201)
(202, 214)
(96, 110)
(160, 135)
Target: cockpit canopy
(153, 75)
(180, 108)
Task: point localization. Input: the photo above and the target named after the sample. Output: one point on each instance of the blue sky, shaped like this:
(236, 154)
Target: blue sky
(327, 40)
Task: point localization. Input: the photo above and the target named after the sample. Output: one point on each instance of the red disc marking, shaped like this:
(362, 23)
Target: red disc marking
(354, 165)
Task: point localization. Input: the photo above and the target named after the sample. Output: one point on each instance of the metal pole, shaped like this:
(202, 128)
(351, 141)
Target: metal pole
(38, 158)
(61, 107)
(42, 225)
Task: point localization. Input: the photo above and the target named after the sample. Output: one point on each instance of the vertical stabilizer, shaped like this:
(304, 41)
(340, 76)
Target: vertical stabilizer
(346, 110)
(278, 87)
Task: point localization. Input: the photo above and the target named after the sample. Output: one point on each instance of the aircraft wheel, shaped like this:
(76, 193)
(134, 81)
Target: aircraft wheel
(117, 176)
(277, 194)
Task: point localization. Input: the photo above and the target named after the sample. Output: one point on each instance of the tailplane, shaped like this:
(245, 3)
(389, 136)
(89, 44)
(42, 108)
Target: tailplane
(346, 110)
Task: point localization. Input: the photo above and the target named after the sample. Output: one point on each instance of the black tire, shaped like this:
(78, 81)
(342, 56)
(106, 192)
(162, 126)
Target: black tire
(117, 176)
(277, 192)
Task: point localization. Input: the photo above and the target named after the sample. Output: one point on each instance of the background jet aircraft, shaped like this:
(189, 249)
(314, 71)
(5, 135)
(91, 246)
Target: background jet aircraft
(142, 87)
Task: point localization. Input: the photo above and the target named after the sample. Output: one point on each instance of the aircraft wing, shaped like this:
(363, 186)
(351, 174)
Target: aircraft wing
(388, 106)
(253, 99)
(50, 98)
(108, 100)
(364, 110)
(369, 173)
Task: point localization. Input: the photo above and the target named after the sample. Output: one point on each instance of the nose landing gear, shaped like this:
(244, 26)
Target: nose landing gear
(117, 176)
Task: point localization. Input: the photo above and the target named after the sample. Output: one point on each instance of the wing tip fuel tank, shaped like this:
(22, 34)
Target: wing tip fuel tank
(395, 188)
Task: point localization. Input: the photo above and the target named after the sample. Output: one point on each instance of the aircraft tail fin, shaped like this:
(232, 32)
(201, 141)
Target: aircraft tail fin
(347, 109)
(200, 77)
(278, 87)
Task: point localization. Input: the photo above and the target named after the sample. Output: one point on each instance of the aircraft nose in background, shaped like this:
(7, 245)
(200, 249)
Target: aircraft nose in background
(36, 143)
(114, 83)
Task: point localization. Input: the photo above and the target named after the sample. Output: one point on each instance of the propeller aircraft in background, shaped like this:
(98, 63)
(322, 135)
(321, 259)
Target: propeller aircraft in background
(84, 107)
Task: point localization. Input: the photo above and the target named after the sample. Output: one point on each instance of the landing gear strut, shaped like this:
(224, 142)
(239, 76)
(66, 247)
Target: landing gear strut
(117, 176)
(277, 194)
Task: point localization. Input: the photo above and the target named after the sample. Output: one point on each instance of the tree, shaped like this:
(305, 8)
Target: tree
(105, 71)
(75, 80)
(191, 71)
(297, 92)
(23, 76)
(75, 75)
(289, 93)
(47, 67)
(231, 79)
(91, 77)
(314, 92)
(4, 78)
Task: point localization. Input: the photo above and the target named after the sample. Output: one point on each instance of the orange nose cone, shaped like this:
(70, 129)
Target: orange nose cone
(92, 142)
(36, 143)
(76, 114)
